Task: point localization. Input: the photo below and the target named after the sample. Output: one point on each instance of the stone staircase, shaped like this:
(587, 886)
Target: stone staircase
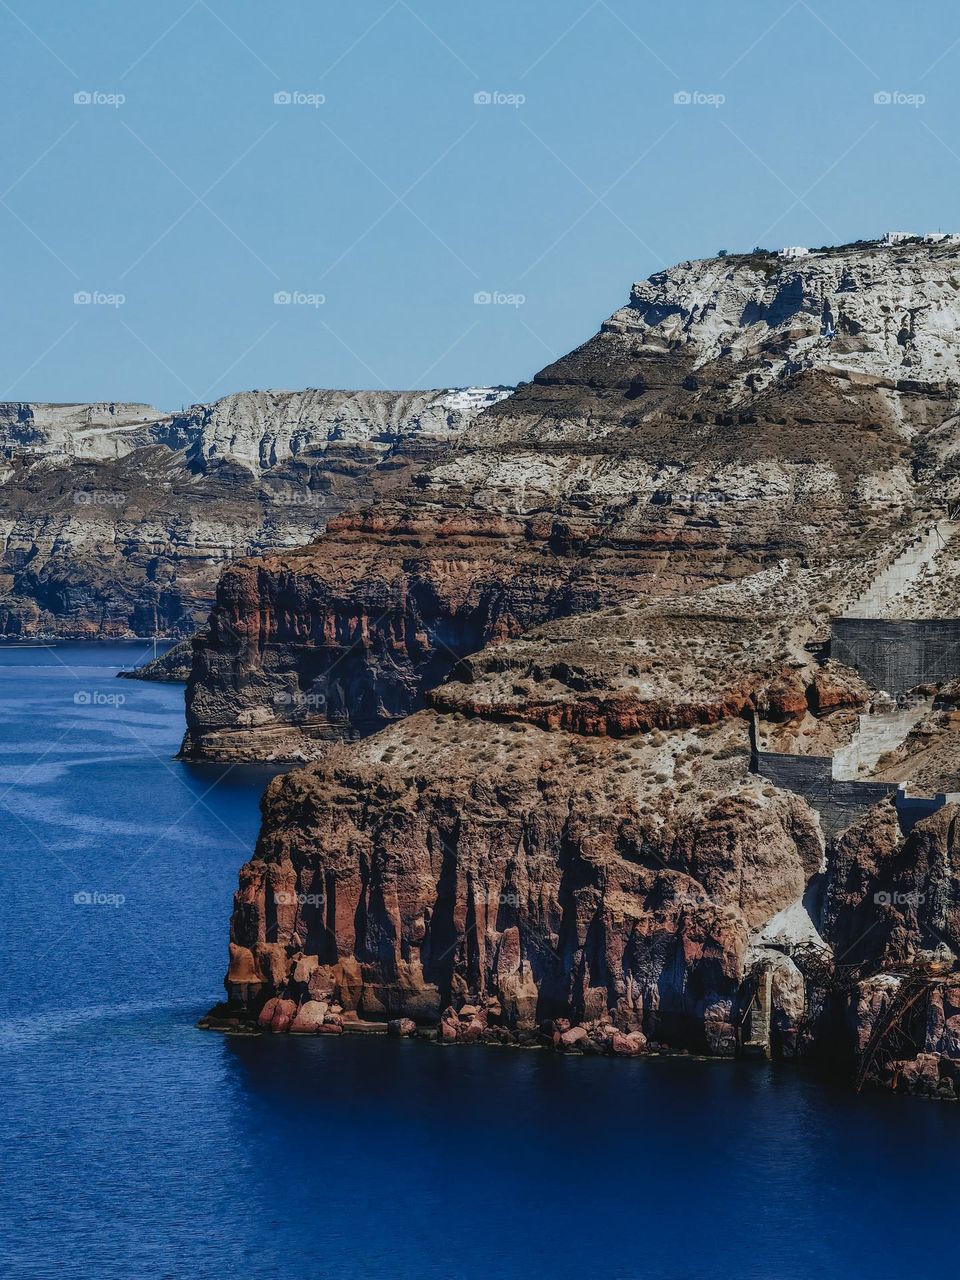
(890, 584)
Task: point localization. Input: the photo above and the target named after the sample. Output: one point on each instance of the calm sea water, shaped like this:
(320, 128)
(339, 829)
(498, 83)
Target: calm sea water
(137, 1146)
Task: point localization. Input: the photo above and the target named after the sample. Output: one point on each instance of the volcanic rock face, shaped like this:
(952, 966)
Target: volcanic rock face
(868, 314)
(92, 432)
(736, 415)
(553, 652)
(537, 849)
(572, 838)
(888, 896)
(116, 519)
(506, 868)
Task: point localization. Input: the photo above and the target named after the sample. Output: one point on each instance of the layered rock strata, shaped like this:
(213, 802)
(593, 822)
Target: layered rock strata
(565, 833)
(517, 864)
(116, 519)
(737, 414)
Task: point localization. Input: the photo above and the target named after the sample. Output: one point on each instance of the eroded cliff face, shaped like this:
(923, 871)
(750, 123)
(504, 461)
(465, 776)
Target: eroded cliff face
(568, 846)
(299, 654)
(737, 415)
(501, 869)
(891, 896)
(534, 683)
(607, 864)
(116, 519)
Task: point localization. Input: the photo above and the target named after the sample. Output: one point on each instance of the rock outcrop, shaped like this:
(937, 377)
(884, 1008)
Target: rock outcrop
(172, 667)
(504, 883)
(117, 519)
(516, 864)
(568, 833)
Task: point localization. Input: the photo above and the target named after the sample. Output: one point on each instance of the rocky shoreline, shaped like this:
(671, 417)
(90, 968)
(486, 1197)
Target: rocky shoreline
(172, 667)
(470, 1025)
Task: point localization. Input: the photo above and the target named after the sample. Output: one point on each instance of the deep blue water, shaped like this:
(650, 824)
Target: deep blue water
(137, 1146)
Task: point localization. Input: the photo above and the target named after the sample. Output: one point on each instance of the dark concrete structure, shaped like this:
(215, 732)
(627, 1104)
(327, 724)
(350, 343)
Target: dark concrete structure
(898, 656)
(912, 809)
(839, 804)
(895, 656)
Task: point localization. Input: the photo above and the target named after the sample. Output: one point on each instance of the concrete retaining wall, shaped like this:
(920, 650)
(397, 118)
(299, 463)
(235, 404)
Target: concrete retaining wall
(839, 803)
(912, 809)
(898, 656)
(877, 733)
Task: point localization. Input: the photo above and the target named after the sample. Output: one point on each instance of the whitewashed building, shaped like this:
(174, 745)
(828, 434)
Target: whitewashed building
(898, 237)
(794, 251)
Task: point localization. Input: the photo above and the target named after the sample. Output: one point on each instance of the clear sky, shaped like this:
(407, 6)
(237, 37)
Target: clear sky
(384, 209)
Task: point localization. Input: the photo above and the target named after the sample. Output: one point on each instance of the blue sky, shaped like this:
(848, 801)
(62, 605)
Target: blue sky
(385, 209)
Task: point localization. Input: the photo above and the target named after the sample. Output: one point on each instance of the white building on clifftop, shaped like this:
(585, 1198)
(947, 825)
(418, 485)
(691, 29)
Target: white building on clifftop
(794, 251)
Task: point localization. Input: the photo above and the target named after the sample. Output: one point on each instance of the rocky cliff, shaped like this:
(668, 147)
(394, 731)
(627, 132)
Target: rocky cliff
(117, 519)
(566, 832)
(535, 683)
(569, 846)
(736, 413)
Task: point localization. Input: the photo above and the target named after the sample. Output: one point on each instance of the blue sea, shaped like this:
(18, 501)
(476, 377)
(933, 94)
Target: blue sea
(136, 1146)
